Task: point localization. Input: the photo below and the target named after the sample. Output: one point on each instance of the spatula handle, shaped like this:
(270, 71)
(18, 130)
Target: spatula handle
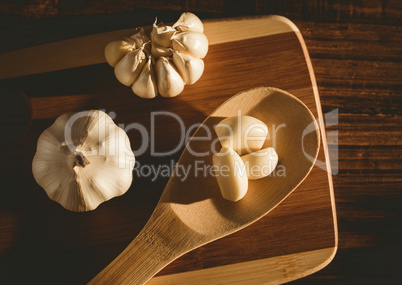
(135, 265)
(163, 239)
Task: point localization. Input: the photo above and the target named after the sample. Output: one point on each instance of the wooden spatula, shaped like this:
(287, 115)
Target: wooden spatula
(191, 211)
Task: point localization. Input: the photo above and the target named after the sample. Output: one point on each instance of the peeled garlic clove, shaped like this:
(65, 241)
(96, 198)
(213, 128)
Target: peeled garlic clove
(231, 174)
(261, 163)
(145, 84)
(114, 51)
(242, 133)
(188, 22)
(83, 160)
(158, 51)
(139, 38)
(189, 67)
(129, 67)
(192, 43)
(170, 83)
(161, 35)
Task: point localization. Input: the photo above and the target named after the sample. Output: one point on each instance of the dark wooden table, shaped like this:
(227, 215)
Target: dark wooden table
(356, 51)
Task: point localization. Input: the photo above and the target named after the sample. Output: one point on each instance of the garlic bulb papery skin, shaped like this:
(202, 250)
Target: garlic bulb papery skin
(145, 84)
(188, 22)
(170, 83)
(158, 51)
(189, 67)
(129, 67)
(260, 164)
(192, 43)
(114, 51)
(139, 38)
(82, 160)
(161, 35)
(231, 174)
(242, 133)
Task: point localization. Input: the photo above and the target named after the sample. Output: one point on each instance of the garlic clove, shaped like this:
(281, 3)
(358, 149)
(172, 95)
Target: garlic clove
(129, 67)
(231, 174)
(114, 51)
(139, 38)
(242, 133)
(145, 84)
(82, 160)
(189, 67)
(161, 35)
(188, 22)
(170, 83)
(261, 163)
(192, 43)
(158, 51)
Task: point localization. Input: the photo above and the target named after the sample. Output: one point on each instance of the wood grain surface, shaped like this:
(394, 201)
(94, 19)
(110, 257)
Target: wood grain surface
(356, 53)
(248, 63)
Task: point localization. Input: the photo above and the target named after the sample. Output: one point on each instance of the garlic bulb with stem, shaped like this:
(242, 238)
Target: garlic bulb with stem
(183, 46)
(170, 83)
(129, 67)
(145, 84)
(188, 22)
(83, 159)
(114, 51)
(161, 34)
(192, 43)
(189, 67)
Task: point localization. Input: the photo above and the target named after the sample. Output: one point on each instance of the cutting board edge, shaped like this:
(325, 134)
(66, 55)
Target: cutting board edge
(321, 124)
(273, 270)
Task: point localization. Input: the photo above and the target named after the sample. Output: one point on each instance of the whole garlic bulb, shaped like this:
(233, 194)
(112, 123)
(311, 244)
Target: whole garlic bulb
(170, 83)
(181, 47)
(82, 160)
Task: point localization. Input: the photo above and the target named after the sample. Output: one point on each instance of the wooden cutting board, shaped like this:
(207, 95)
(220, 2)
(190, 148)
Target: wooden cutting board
(42, 242)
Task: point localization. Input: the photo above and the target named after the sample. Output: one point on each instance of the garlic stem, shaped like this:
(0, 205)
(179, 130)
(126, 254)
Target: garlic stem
(81, 160)
(139, 38)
